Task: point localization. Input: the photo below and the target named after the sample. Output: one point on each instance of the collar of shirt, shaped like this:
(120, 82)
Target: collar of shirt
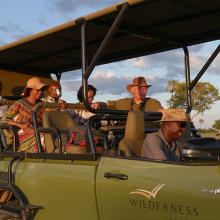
(173, 144)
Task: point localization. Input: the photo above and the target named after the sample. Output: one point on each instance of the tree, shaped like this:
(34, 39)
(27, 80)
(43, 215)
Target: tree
(216, 125)
(201, 121)
(204, 95)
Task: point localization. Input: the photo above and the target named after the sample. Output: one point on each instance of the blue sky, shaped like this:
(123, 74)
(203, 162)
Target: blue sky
(19, 18)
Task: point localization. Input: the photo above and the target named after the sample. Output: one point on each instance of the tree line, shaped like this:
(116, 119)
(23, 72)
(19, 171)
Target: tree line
(204, 95)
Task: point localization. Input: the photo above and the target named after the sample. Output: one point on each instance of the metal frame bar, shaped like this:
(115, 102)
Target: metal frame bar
(205, 67)
(190, 85)
(10, 174)
(87, 69)
(106, 40)
(187, 75)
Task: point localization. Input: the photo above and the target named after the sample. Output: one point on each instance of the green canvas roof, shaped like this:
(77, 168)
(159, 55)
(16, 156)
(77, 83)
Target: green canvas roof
(148, 27)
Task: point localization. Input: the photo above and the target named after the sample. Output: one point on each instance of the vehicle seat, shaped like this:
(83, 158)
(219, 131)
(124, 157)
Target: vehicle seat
(134, 134)
(64, 124)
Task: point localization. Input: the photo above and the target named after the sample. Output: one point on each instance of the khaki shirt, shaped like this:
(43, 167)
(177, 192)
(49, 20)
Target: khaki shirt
(150, 105)
(156, 147)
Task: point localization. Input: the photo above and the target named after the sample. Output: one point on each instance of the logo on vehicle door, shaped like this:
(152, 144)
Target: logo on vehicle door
(148, 194)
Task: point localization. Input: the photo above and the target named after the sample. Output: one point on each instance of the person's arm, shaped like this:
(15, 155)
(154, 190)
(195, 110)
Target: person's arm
(152, 105)
(20, 125)
(11, 115)
(152, 148)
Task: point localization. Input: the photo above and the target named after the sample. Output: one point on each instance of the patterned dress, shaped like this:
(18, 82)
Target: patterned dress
(21, 112)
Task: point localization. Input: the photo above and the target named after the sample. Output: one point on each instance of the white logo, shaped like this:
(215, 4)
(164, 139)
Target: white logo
(146, 193)
(213, 191)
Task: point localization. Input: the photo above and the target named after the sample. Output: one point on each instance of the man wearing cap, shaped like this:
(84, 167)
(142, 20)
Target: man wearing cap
(164, 145)
(139, 101)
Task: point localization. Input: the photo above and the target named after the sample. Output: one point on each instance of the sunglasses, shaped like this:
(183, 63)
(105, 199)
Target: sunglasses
(182, 124)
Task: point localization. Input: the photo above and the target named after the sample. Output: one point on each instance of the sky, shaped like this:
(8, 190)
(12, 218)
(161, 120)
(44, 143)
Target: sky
(20, 18)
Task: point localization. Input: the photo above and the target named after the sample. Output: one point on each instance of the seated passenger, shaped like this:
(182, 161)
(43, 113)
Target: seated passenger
(54, 93)
(81, 115)
(20, 114)
(139, 101)
(164, 145)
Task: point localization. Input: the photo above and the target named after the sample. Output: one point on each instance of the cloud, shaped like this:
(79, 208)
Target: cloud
(169, 64)
(14, 31)
(109, 82)
(70, 6)
(197, 61)
(197, 48)
(139, 62)
(42, 20)
(215, 66)
(16, 28)
(71, 81)
(2, 42)
(4, 28)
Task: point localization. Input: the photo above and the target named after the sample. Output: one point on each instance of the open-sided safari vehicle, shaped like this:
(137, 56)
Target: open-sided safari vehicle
(100, 180)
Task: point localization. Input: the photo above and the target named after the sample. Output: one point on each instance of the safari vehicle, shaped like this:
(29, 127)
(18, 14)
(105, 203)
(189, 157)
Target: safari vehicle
(110, 185)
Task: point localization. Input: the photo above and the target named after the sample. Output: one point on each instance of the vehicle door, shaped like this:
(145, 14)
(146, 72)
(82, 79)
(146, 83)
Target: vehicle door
(62, 185)
(141, 189)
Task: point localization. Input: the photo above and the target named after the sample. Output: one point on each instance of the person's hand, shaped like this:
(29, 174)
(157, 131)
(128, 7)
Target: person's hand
(23, 126)
(96, 105)
(20, 125)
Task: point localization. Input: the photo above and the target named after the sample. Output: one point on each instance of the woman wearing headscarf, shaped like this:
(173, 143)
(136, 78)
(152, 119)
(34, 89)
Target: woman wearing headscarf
(20, 114)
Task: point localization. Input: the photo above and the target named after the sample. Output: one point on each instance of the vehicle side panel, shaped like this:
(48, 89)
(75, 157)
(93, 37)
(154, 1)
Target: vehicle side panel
(65, 189)
(171, 191)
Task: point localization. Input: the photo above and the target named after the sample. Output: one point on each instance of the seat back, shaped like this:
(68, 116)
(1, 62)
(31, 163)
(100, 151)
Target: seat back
(134, 134)
(60, 120)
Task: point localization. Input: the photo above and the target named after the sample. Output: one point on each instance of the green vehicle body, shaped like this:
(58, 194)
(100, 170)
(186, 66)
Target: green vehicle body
(79, 189)
(111, 186)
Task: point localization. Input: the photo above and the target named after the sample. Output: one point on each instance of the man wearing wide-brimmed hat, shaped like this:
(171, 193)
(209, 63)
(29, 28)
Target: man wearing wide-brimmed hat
(139, 101)
(164, 145)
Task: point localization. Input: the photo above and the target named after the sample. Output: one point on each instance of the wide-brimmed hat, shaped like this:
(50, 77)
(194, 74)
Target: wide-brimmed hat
(138, 81)
(35, 83)
(174, 115)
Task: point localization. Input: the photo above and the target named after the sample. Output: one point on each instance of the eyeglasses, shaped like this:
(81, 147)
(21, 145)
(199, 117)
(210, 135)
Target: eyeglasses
(182, 124)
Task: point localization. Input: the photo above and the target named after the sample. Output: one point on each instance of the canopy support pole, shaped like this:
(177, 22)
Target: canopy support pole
(84, 58)
(205, 67)
(87, 69)
(106, 40)
(187, 75)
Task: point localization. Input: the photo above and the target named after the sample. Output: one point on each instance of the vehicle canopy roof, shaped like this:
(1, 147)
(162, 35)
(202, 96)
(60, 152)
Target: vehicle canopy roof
(148, 27)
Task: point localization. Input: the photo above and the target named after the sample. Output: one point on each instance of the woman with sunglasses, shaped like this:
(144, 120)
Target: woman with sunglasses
(20, 114)
(164, 145)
